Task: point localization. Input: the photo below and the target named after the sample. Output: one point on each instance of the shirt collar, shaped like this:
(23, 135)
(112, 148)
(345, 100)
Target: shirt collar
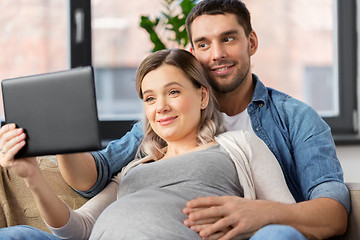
(260, 92)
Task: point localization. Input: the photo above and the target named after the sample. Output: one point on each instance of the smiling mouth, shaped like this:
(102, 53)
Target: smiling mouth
(222, 70)
(166, 121)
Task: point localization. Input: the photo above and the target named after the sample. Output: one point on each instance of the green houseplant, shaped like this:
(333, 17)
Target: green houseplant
(171, 20)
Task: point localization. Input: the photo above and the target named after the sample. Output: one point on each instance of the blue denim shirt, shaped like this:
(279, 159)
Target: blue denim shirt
(293, 131)
(302, 143)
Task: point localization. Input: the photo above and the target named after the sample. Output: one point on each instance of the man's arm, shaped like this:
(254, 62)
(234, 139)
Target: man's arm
(316, 219)
(78, 170)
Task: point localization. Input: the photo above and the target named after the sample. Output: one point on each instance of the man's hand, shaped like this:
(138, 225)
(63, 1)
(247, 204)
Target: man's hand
(232, 216)
(227, 216)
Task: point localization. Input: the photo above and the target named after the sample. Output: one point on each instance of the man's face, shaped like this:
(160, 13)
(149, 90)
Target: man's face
(222, 47)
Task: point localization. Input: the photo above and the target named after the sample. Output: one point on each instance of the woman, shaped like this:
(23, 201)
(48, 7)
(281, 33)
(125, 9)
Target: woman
(186, 155)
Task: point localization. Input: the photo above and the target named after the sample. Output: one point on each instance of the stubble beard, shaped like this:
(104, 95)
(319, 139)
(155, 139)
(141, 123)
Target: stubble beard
(226, 84)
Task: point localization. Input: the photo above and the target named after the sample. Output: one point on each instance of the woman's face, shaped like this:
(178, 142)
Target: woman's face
(172, 103)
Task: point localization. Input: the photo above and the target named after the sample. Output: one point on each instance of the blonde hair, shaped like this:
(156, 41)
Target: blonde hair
(210, 121)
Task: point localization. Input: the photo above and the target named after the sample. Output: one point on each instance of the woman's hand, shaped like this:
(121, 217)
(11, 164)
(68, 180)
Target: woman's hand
(12, 139)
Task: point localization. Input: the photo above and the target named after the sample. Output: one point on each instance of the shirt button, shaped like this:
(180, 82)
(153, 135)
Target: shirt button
(261, 105)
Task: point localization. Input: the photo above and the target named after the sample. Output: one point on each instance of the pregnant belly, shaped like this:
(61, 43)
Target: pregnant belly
(147, 214)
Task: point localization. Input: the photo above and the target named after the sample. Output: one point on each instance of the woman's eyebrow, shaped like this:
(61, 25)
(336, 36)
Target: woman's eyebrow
(173, 83)
(166, 85)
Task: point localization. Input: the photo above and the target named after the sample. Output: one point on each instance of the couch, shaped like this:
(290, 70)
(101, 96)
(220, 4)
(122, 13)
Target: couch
(18, 206)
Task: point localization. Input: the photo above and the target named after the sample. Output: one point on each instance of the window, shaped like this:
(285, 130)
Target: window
(33, 38)
(307, 49)
(117, 45)
(116, 94)
(320, 89)
(300, 39)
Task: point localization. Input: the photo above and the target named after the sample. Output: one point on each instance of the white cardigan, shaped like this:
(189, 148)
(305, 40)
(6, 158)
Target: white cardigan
(259, 174)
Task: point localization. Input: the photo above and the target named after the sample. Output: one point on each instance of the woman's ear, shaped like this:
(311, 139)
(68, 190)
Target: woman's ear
(204, 97)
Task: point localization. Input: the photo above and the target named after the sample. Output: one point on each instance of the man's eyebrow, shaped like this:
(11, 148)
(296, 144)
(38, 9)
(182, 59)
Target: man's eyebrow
(227, 33)
(230, 32)
(200, 39)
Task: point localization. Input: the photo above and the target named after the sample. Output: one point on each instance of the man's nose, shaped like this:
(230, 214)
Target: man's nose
(218, 51)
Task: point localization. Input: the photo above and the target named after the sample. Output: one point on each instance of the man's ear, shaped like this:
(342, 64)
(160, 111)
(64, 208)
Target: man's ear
(253, 43)
(192, 50)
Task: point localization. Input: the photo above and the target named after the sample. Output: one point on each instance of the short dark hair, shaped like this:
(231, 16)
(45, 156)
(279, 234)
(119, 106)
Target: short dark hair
(215, 7)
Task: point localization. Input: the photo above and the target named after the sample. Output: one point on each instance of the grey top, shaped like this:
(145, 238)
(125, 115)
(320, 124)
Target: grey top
(152, 195)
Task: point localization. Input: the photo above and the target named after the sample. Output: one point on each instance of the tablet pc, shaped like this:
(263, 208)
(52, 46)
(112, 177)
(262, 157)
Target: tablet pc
(57, 111)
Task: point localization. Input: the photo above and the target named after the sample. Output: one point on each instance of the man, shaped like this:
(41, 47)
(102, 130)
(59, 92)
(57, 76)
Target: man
(223, 40)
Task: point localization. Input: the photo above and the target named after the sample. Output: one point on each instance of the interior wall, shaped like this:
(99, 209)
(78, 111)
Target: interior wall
(349, 157)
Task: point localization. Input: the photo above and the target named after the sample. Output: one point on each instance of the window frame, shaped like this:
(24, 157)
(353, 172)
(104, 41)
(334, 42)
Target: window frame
(80, 33)
(346, 123)
(344, 127)
(81, 55)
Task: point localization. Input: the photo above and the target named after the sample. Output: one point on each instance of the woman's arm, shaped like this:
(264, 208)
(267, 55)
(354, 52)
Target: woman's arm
(82, 220)
(51, 208)
(54, 211)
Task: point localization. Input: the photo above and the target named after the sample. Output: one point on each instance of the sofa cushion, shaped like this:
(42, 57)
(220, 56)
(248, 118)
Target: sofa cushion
(353, 230)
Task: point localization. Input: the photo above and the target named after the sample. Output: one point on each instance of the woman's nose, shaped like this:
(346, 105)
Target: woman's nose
(162, 105)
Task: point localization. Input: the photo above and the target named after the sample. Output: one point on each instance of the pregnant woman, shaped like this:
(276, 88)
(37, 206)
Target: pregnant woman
(185, 154)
